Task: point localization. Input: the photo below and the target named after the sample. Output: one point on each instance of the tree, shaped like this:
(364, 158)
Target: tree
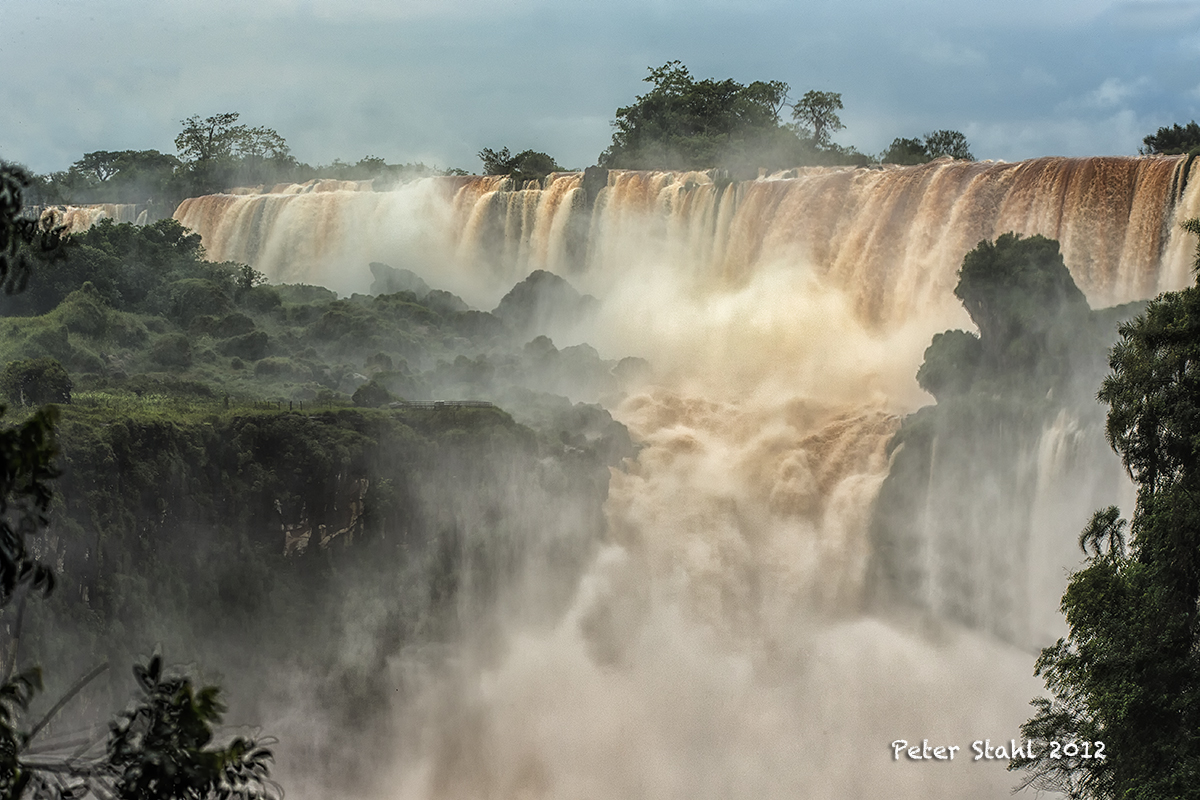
(216, 149)
(683, 123)
(116, 176)
(906, 152)
(1174, 140)
(1019, 292)
(99, 166)
(524, 166)
(204, 141)
(933, 145)
(1128, 673)
(161, 746)
(371, 395)
(816, 113)
(16, 230)
(948, 143)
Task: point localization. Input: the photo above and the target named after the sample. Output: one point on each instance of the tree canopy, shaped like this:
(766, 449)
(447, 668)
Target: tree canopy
(216, 150)
(933, 145)
(1175, 140)
(17, 230)
(948, 143)
(816, 113)
(524, 166)
(1019, 292)
(685, 123)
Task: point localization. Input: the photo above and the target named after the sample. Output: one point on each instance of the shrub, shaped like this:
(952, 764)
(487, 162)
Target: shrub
(172, 350)
(250, 346)
(36, 381)
(371, 395)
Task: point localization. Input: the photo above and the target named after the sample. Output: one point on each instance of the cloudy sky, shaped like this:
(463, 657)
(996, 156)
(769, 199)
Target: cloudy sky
(437, 80)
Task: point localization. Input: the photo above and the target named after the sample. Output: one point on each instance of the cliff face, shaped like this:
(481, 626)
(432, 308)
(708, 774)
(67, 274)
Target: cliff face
(972, 522)
(316, 546)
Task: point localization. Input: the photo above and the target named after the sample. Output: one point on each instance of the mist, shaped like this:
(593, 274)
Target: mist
(734, 627)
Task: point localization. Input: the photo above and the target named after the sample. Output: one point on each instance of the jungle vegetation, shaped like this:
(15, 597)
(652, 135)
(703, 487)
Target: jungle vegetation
(1128, 672)
(528, 165)
(247, 479)
(162, 744)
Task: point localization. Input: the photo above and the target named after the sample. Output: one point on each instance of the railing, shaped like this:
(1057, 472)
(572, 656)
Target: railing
(441, 404)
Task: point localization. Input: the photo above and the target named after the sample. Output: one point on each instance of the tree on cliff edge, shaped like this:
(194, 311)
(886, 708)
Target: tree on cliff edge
(216, 151)
(528, 165)
(1128, 673)
(1175, 140)
(684, 123)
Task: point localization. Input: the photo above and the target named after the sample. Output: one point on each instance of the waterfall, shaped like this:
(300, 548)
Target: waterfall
(724, 644)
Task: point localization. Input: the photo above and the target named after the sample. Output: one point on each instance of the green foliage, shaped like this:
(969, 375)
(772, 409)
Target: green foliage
(16, 230)
(948, 143)
(816, 113)
(216, 152)
(249, 346)
(527, 165)
(127, 266)
(938, 144)
(906, 152)
(160, 747)
(1174, 140)
(157, 749)
(36, 381)
(260, 298)
(172, 350)
(951, 364)
(15, 696)
(116, 176)
(26, 470)
(371, 395)
(1128, 673)
(1154, 391)
(1021, 295)
(189, 297)
(683, 123)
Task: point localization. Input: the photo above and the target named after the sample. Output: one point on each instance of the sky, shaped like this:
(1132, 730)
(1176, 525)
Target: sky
(436, 81)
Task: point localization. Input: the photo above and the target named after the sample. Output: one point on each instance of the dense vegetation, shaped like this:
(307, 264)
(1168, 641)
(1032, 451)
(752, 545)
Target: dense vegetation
(528, 165)
(236, 490)
(1175, 140)
(938, 144)
(162, 745)
(214, 154)
(1128, 673)
(684, 123)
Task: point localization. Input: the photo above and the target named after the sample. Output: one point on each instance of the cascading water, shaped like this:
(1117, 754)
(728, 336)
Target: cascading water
(722, 645)
(77, 219)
